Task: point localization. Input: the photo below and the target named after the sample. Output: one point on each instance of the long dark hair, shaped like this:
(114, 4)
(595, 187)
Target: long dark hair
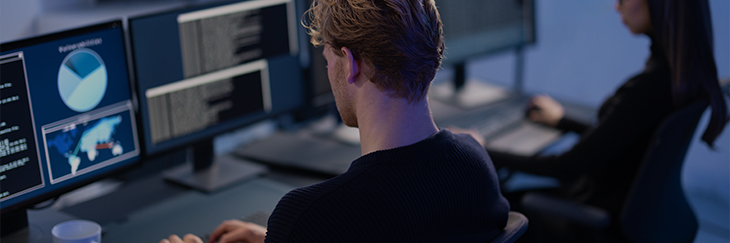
(683, 29)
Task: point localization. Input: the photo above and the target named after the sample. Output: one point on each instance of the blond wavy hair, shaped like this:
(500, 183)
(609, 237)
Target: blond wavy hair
(401, 41)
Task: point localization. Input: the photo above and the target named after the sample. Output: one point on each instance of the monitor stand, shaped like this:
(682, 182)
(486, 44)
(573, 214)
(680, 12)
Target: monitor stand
(467, 95)
(209, 173)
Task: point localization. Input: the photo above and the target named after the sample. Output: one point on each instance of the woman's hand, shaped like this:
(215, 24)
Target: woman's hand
(545, 110)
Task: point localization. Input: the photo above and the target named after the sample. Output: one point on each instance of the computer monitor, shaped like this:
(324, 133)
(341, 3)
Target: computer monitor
(66, 116)
(202, 71)
(474, 28)
(319, 98)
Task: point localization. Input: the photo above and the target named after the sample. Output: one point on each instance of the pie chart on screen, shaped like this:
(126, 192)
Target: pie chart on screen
(82, 80)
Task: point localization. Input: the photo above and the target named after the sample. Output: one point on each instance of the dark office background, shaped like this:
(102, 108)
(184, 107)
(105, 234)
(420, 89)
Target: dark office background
(583, 53)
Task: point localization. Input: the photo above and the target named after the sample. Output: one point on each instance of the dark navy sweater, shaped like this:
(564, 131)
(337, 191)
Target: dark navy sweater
(441, 189)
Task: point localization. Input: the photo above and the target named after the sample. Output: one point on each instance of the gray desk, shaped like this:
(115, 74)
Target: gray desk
(150, 209)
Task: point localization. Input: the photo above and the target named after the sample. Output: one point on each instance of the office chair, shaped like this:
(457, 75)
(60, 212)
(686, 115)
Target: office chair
(656, 209)
(516, 226)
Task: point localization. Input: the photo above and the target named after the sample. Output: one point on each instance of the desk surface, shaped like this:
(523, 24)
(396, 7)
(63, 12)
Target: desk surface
(150, 209)
(442, 111)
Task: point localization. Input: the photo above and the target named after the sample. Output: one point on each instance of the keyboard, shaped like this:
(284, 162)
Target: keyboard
(302, 152)
(505, 128)
(490, 122)
(259, 217)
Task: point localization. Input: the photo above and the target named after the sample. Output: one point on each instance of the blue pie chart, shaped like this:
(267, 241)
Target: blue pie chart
(82, 80)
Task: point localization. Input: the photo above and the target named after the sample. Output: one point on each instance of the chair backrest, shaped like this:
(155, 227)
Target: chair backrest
(656, 209)
(516, 226)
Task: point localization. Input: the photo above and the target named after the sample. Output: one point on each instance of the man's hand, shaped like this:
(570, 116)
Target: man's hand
(238, 231)
(545, 110)
(189, 238)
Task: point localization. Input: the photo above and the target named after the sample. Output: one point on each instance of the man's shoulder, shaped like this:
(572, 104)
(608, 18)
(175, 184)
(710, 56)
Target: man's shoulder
(297, 205)
(301, 199)
(465, 146)
(313, 192)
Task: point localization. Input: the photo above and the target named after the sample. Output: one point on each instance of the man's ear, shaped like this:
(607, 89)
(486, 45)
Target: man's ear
(353, 66)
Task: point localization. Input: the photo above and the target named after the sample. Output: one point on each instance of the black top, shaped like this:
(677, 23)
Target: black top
(607, 157)
(441, 189)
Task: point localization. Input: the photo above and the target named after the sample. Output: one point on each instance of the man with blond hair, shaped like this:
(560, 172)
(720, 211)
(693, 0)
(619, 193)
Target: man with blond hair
(414, 181)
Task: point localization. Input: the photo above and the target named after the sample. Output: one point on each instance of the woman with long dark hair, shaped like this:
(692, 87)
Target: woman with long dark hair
(681, 69)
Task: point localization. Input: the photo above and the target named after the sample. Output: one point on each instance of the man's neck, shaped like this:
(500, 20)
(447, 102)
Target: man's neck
(387, 123)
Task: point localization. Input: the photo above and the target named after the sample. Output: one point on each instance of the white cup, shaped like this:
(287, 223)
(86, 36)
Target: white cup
(77, 231)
